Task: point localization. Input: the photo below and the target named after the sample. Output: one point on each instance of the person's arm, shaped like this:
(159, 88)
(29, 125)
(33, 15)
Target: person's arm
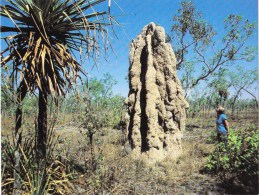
(226, 124)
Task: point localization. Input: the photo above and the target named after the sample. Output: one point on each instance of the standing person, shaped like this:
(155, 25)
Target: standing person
(222, 125)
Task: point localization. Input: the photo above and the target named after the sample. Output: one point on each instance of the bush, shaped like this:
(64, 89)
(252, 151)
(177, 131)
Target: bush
(239, 157)
(21, 168)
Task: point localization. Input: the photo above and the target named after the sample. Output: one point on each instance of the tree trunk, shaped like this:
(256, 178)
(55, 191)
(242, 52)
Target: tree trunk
(18, 118)
(42, 126)
(17, 155)
(234, 102)
(233, 111)
(21, 93)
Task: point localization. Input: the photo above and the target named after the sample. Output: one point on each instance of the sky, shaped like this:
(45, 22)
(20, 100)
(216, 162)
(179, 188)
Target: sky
(133, 15)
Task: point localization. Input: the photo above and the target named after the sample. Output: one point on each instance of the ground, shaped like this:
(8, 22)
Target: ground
(110, 169)
(124, 175)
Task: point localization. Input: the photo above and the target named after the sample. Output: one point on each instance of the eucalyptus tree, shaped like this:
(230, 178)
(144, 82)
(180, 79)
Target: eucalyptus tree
(220, 86)
(197, 46)
(44, 40)
(243, 80)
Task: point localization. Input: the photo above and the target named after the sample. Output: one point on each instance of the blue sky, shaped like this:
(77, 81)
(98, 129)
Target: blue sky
(133, 15)
(136, 14)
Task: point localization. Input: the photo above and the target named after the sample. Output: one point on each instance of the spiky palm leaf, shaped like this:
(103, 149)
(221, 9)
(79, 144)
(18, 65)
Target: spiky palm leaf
(45, 35)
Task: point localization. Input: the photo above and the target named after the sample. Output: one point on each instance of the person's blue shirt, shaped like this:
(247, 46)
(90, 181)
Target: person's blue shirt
(220, 125)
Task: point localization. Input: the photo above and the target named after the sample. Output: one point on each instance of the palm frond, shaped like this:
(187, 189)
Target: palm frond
(47, 34)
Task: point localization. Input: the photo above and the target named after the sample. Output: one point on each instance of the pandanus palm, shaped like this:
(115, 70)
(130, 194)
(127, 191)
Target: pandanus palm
(45, 36)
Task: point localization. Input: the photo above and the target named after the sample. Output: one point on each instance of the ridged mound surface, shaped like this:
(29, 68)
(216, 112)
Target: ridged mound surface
(156, 105)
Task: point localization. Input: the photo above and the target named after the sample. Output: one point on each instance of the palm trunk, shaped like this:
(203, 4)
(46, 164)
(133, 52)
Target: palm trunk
(18, 118)
(42, 126)
(21, 93)
(17, 155)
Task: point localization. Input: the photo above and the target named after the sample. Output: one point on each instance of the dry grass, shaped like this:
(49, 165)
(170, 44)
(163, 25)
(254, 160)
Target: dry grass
(111, 170)
(120, 174)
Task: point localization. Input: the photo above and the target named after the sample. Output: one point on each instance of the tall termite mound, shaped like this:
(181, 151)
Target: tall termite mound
(156, 105)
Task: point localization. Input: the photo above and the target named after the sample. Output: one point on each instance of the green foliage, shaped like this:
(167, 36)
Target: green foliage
(30, 106)
(104, 107)
(8, 98)
(219, 86)
(94, 103)
(188, 23)
(212, 138)
(195, 41)
(239, 156)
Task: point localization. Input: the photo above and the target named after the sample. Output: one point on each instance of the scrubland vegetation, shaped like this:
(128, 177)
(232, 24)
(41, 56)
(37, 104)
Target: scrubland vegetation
(60, 136)
(87, 153)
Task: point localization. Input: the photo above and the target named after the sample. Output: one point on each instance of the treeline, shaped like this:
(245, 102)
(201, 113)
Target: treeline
(93, 100)
(205, 107)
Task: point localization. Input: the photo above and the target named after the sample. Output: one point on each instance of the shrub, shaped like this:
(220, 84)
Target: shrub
(32, 176)
(239, 157)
